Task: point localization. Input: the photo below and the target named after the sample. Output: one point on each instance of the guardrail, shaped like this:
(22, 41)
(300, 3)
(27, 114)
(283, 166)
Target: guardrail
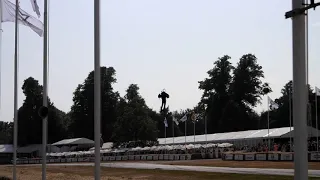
(153, 157)
(271, 156)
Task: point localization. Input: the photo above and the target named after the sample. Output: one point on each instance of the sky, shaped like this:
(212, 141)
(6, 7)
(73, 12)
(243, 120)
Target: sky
(157, 44)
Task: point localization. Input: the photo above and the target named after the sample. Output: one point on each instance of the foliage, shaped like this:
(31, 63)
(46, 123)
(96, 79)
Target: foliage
(29, 122)
(6, 132)
(230, 94)
(281, 117)
(82, 110)
(133, 121)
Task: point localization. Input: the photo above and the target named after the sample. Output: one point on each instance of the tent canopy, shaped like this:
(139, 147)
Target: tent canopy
(6, 148)
(107, 145)
(75, 141)
(284, 132)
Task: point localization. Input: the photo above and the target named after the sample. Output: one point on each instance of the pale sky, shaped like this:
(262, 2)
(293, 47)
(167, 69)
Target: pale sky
(156, 44)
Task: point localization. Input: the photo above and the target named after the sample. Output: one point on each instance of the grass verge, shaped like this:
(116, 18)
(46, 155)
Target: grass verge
(87, 173)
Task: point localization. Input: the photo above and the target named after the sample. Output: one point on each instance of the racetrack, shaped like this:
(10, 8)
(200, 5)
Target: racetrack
(239, 164)
(144, 165)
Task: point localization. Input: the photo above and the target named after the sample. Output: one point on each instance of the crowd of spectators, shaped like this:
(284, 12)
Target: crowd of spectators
(275, 147)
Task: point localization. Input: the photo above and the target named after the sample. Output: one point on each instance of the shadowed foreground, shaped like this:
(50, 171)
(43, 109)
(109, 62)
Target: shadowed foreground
(86, 173)
(240, 164)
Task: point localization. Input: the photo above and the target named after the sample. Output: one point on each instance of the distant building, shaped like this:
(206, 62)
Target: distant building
(29, 151)
(75, 144)
(6, 153)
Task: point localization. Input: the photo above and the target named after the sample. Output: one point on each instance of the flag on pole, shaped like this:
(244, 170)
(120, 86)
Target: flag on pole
(35, 7)
(175, 120)
(272, 104)
(317, 91)
(195, 117)
(8, 15)
(199, 117)
(184, 118)
(165, 122)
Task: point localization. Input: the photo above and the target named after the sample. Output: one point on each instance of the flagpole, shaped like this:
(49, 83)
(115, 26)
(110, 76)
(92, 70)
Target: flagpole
(268, 125)
(290, 120)
(172, 131)
(0, 54)
(97, 88)
(316, 99)
(165, 135)
(194, 132)
(185, 132)
(205, 128)
(205, 123)
(45, 89)
(15, 110)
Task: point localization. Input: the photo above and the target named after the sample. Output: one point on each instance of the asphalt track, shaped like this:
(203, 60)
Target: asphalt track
(260, 171)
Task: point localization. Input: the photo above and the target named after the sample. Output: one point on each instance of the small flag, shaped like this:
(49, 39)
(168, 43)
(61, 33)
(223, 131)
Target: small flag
(8, 15)
(184, 118)
(35, 7)
(175, 120)
(199, 117)
(165, 122)
(272, 104)
(317, 91)
(195, 117)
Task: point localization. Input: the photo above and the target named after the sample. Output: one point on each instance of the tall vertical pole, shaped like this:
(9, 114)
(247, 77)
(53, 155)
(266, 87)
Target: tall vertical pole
(194, 131)
(290, 119)
(15, 92)
(97, 88)
(165, 135)
(185, 133)
(45, 89)
(316, 100)
(0, 53)
(172, 131)
(309, 120)
(205, 128)
(268, 126)
(299, 94)
(205, 123)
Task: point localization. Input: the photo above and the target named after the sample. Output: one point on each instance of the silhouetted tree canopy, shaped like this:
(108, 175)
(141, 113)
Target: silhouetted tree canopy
(230, 94)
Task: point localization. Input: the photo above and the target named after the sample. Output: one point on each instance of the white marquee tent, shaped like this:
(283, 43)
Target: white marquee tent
(6, 148)
(260, 134)
(75, 141)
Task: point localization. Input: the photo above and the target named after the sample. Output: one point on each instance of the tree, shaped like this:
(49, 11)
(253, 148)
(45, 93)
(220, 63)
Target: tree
(246, 91)
(133, 121)
(280, 117)
(6, 132)
(82, 110)
(29, 122)
(230, 94)
(247, 86)
(216, 92)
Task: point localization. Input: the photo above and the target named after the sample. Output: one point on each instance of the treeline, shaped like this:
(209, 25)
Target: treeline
(229, 95)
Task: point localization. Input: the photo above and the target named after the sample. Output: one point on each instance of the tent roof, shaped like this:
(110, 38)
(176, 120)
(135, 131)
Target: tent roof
(107, 145)
(6, 148)
(75, 141)
(29, 148)
(283, 132)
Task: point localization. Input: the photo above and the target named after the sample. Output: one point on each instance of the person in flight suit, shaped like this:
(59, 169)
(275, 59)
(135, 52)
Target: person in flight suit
(163, 95)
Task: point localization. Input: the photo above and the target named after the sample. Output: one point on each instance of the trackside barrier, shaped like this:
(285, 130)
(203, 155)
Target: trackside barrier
(249, 157)
(152, 157)
(161, 157)
(155, 157)
(273, 156)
